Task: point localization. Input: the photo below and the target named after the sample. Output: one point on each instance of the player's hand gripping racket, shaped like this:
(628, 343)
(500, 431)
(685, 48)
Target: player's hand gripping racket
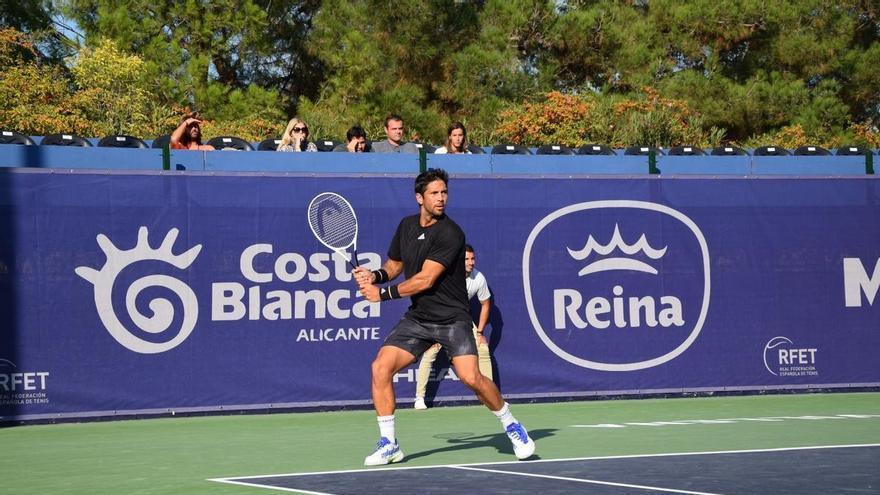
(334, 224)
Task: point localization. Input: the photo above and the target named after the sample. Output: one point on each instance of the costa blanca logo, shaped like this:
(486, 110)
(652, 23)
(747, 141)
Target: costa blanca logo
(617, 285)
(163, 311)
(270, 286)
(783, 358)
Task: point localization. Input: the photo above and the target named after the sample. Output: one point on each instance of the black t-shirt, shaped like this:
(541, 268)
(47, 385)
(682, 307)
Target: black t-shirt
(442, 242)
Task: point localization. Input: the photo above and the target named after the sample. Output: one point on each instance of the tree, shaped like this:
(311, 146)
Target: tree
(34, 17)
(382, 58)
(113, 93)
(753, 69)
(502, 64)
(750, 66)
(197, 53)
(34, 97)
(103, 93)
(289, 67)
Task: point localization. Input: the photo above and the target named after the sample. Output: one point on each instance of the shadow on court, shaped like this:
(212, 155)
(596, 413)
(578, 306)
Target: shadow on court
(468, 441)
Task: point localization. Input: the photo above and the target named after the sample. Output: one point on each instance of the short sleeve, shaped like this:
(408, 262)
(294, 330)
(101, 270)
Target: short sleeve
(394, 248)
(483, 289)
(446, 247)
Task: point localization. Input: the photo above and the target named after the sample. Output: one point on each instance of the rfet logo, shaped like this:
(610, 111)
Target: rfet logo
(617, 285)
(783, 358)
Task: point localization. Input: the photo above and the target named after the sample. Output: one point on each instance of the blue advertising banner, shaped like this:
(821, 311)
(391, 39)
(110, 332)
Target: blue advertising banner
(144, 293)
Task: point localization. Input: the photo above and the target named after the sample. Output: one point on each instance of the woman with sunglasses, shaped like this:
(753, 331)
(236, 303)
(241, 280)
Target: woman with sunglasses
(296, 137)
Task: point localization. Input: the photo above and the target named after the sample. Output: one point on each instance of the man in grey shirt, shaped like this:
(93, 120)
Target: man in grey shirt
(394, 130)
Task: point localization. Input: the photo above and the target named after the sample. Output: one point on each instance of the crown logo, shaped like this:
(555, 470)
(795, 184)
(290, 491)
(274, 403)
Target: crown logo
(617, 263)
(162, 309)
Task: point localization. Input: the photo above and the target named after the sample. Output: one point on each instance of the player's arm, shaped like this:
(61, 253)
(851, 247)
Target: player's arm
(420, 282)
(393, 268)
(365, 279)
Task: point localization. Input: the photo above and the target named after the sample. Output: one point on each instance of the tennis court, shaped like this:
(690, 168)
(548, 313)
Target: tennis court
(797, 443)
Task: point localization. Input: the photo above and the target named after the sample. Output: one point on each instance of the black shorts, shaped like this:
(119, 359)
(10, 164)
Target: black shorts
(457, 338)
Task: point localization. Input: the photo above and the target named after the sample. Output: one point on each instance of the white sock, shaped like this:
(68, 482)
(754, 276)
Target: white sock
(505, 416)
(386, 427)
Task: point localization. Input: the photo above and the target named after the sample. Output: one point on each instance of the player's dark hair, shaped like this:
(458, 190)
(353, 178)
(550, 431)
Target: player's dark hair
(429, 176)
(468, 248)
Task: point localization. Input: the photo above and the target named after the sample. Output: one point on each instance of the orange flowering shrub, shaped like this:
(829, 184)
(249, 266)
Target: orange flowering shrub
(253, 130)
(559, 119)
(866, 134)
(646, 119)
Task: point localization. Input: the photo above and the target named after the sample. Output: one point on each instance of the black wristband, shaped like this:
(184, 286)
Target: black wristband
(380, 276)
(389, 293)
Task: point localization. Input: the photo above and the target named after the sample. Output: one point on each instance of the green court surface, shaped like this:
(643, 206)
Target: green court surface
(180, 455)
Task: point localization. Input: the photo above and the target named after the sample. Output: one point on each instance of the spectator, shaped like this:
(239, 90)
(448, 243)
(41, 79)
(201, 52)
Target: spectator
(456, 140)
(188, 135)
(296, 137)
(355, 141)
(394, 130)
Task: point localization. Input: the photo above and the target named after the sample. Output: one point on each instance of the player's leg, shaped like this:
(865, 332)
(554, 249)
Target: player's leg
(468, 371)
(388, 361)
(466, 364)
(426, 364)
(405, 341)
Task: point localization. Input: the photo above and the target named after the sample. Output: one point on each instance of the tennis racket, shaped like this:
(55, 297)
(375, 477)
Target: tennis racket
(334, 224)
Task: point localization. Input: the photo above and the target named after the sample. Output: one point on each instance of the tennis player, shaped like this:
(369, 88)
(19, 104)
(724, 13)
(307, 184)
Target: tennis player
(428, 248)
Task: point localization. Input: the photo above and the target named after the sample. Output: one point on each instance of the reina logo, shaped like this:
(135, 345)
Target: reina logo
(636, 301)
(163, 310)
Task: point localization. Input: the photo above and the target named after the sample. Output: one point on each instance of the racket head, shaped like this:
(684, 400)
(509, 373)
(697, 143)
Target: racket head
(333, 222)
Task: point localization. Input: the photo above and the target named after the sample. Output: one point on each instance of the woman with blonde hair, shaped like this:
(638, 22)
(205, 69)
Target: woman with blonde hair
(456, 140)
(296, 137)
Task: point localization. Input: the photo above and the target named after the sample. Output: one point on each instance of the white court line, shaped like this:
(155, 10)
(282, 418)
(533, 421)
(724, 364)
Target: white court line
(673, 454)
(688, 422)
(581, 480)
(270, 487)
(234, 479)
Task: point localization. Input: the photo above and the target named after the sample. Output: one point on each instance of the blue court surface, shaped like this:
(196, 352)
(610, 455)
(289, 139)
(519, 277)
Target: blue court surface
(832, 469)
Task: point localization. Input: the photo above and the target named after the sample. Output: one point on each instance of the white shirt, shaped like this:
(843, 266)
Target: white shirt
(477, 285)
(442, 151)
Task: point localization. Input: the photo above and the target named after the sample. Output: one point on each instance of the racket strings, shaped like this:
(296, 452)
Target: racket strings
(333, 221)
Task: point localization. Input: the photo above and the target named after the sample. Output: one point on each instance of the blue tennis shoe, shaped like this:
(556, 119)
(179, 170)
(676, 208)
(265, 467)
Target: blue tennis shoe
(523, 445)
(386, 452)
